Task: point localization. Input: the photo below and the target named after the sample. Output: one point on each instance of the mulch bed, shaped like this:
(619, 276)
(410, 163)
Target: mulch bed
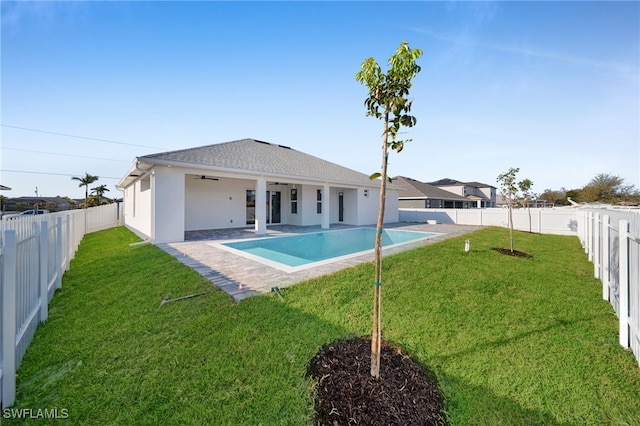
(405, 394)
(508, 252)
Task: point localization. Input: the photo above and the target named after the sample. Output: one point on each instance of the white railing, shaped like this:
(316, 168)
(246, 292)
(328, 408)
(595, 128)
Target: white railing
(559, 221)
(35, 251)
(611, 239)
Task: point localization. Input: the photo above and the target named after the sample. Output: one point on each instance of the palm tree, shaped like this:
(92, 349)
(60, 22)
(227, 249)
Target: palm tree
(100, 190)
(85, 181)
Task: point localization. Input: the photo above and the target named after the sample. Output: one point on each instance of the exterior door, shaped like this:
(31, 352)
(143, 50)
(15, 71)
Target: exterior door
(273, 206)
(340, 206)
(276, 201)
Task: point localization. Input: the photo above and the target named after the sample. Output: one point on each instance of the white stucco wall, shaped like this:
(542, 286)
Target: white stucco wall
(368, 207)
(350, 212)
(137, 207)
(217, 204)
(307, 205)
(168, 188)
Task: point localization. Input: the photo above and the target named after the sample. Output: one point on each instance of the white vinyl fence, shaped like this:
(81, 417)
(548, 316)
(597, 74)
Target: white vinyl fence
(560, 221)
(611, 239)
(35, 251)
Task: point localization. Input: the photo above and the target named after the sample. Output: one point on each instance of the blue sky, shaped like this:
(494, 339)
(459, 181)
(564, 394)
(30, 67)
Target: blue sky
(550, 87)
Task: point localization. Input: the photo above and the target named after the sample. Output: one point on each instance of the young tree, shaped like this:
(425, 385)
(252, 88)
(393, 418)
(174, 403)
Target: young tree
(527, 195)
(387, 101)
(508, 189)
(85, 181)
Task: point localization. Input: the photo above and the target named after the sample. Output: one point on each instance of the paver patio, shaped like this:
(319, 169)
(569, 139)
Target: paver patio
(242, 278)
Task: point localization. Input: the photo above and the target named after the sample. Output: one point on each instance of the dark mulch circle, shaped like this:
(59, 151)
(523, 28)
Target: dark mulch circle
(508, 252)
(347, 394)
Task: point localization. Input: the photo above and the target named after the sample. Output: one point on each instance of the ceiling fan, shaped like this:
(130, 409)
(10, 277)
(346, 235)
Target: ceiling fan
(203, 177)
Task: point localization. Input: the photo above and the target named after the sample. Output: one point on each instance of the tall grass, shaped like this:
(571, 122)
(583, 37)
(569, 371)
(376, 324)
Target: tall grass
(511, 340)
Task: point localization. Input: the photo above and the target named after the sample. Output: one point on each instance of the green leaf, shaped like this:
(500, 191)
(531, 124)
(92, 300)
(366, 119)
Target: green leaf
(374, 176)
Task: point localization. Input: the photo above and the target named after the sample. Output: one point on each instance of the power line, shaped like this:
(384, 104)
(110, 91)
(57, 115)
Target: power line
(78, 137)
(54, 174)
(63, 155)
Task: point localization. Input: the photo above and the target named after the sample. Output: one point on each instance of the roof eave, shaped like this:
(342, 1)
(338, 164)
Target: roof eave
(172, 163)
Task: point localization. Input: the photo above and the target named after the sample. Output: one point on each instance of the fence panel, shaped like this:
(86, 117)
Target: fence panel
(34, 253)
(614, 268)
(612, 244)
(1, 319)
(560, 221)
(27, 291)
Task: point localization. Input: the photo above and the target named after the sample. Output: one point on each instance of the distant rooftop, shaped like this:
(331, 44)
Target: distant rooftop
(453, 182)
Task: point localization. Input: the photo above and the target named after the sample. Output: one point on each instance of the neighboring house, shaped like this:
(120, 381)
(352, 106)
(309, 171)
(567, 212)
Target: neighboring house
(481, 194)
(27, 203)
(245, 183)
(420, 195)
(501, 201)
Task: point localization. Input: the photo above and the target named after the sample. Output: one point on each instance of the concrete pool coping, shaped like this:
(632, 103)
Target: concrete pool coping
(241, 277)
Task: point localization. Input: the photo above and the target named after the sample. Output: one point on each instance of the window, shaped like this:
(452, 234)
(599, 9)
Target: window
(251, 207)
(319, 201)
(294, 201)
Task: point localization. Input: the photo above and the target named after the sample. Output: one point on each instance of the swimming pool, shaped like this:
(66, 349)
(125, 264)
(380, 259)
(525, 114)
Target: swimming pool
(305, 250)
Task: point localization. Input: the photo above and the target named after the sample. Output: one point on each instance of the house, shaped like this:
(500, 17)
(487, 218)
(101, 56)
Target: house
(421, 195)
(50, 203)
(245, 183)
(481, 194)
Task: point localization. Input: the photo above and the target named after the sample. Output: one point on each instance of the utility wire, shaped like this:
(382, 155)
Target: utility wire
(63, 155)
(53, 174)
(78, 137)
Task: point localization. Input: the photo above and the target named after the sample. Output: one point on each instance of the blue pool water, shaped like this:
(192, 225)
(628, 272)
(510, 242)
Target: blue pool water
(303, 249)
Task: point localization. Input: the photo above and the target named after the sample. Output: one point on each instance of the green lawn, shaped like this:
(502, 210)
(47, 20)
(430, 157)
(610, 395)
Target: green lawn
(511, 340)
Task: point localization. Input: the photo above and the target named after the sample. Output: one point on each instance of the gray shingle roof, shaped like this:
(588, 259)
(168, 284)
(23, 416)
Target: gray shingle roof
(453, 182)
(251, 155)
(417, 189)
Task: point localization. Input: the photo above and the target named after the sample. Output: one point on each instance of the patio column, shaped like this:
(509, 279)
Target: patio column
(261, 209)
(326, 207)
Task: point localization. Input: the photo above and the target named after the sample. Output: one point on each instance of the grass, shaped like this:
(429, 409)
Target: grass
(512, 341)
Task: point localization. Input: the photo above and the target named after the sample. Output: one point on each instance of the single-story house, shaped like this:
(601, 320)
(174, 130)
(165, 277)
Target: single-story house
(245, 183)
(481, 194)
(420, 195)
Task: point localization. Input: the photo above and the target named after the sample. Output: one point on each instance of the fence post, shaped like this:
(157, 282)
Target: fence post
(590, 236)
(44, 271)
(59, 253)
(69, 249)
(539, 221)
(606, 256)
(9, 319)
(624, 284)
(596, 245)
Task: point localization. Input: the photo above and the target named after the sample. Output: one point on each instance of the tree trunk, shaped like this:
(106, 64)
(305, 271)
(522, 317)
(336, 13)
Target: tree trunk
(376, 335)
(511, 225)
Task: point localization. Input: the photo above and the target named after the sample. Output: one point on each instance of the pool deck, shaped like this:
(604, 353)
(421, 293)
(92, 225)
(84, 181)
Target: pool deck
(242, 278)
